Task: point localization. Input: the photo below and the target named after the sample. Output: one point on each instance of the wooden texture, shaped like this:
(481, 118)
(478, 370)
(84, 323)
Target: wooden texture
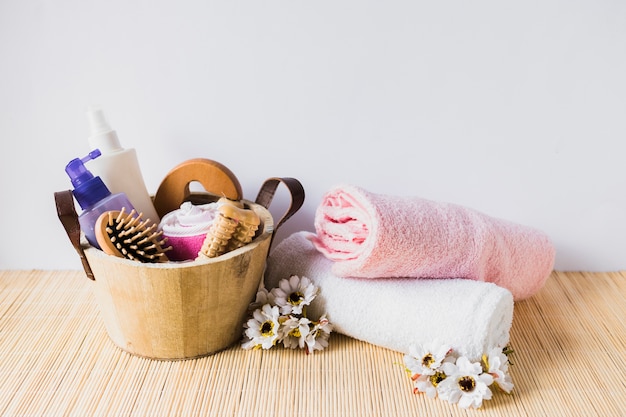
(176, 310)
(57, 360)
(212, 175)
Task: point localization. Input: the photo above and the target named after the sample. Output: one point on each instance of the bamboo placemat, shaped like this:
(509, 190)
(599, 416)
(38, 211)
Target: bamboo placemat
(56, 359)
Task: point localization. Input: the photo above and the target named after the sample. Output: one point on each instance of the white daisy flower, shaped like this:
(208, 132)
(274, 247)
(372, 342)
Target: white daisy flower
(293, 332)
(466, 383)
(262, 328)
(496, 364)
(263, 296)
(428, 383)
(293, 294)
(426, 359)
(317, 338)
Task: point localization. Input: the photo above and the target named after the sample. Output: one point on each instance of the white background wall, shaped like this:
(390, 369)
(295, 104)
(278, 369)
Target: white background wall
(516, 109)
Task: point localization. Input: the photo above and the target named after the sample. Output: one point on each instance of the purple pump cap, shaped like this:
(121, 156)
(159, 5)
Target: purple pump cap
(77, 171)
(88, 189)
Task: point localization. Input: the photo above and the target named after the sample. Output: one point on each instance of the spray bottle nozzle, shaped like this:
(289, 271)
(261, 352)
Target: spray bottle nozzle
(88, 189)
(97, 122)
(102, 136)
(77, 171)
(91, 155)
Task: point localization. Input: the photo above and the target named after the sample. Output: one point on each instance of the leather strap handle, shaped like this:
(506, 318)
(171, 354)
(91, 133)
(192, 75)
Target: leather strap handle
(268, 189)
(69, 219)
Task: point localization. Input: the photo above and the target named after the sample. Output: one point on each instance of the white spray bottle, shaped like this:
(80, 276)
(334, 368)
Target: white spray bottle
(118, 167)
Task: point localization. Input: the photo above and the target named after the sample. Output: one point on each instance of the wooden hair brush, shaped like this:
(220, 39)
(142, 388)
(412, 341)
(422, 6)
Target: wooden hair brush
(127, 236)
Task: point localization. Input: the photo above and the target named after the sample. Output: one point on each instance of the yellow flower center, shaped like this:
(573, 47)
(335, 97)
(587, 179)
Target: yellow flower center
(295, 332)
(467, 383)
(485, 363)
(267, 329)
(428, 360)
(437, 377)
(295, 298)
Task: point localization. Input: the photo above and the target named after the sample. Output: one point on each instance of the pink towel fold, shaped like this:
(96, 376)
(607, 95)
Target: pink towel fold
(372, 235)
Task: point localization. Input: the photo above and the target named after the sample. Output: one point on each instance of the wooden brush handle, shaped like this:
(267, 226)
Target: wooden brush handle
(213, 176)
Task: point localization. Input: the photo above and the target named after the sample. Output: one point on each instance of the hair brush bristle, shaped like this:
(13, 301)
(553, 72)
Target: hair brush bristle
(128, 236)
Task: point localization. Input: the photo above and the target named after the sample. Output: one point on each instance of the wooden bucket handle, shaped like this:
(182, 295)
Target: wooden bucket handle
(66, 211)
(214, 177)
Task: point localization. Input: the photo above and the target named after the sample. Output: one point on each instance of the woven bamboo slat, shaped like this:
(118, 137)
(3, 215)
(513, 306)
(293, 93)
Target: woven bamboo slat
(569, 342)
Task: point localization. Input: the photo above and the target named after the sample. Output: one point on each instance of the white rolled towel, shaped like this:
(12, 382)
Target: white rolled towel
(470, 316)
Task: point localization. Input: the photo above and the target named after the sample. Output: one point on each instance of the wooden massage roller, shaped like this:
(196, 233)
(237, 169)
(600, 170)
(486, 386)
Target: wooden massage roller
(233, 227)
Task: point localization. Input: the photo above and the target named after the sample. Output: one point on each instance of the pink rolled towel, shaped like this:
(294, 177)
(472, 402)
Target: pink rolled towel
(372, 235)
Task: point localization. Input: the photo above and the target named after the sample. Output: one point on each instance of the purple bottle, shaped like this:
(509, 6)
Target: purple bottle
(92, 195)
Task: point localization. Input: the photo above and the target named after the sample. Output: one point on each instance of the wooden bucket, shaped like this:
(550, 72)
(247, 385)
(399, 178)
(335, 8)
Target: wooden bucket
(175, 310)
